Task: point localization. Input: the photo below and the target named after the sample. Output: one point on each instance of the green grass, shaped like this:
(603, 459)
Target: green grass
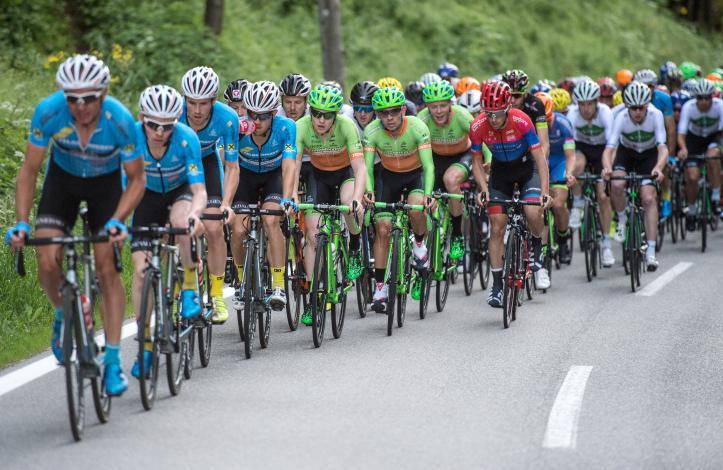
(266, 40)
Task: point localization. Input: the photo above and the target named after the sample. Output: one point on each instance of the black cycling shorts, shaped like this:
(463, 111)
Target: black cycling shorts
(593, 155)
(697, 146)
(155, 209)
(395, 185)
(322, 187)
(213, 172)
(254, 187)
(63, 193)
(629, 161)
(505, 175)
(442, 164)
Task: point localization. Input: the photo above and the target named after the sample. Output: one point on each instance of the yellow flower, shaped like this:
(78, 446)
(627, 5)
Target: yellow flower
(54, 59)
(114, 79)
(116, 52)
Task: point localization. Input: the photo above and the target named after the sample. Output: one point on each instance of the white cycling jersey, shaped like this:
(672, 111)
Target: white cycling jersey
(694, 121)
(595, 131)
(638, 137)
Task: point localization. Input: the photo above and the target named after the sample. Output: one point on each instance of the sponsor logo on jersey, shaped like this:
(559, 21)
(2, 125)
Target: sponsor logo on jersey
(193, 169)
(231, 147)
(184, 143)
(129, 148)
(62, 133)
(37, 133)
(288, 147)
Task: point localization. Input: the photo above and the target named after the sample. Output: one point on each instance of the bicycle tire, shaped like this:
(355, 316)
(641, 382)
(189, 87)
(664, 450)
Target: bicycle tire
(469, 260)
(703, 217)
(587, 242)
(190, 354)
(291, 283)
(264, 315)
(484, 268)
(74, 387)
(338, 310)
(402, 296)
(148, 379)
(319, 291)
(633, 251)
(205, 329)
(101, 401)
(393, 274)
(249, 301)
(509, 285)
(442, 287)
(175, 375)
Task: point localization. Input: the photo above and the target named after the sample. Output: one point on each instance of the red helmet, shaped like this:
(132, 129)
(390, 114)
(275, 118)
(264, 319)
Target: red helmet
(496, 95)
(607, 86)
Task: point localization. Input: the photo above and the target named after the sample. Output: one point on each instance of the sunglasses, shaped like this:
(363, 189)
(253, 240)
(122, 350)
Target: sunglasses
(260, 116)
(385, 113)
(704, 97)
(156, 126)
(85, 98)
(636, 108)
(363, 108)
(496, 114)
(327, 115)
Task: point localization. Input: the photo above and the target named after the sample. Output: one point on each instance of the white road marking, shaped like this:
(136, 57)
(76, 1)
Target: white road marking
(37, 369)
(561, 429)
(652, 288)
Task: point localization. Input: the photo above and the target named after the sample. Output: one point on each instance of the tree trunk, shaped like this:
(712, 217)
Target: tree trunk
(214, 15)
(332, 48)
(78, 28)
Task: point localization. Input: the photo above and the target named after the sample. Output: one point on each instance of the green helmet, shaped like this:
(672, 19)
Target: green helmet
(689, 69)
(390, 97)
(718, 70)
(438, 91)
(326, 98)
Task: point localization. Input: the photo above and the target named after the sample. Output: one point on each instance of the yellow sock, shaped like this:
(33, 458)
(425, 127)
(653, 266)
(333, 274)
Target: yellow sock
(240, 271)
(189, 278)
(666, 195)
(148, 345)
(277, 277)
(217, 285)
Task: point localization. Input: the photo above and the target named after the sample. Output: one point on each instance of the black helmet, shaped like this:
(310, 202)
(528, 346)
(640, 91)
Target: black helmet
(413, 92)
(362, 92)
(295, 84)
(235, 90)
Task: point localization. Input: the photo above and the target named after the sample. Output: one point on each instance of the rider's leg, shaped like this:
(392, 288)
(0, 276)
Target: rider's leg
(417, 219)
(238, 236)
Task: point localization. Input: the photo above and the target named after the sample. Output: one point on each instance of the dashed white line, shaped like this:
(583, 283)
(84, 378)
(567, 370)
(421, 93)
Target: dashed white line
(652, 288)
(561, 429)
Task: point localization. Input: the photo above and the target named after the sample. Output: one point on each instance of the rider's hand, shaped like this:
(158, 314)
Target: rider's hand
(369, 199)
(289, 205)
(683, 153)
(606, 173)
(430, 203)
(195, 224)
(357, 206)
(482, 198)
(117, 231)
(546, 200)
(230, 214)
(15, 236)
(658, 174)
(571, 180)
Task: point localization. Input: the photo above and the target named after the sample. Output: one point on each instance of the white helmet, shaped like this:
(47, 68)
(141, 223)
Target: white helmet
(161, 101)
(470, 100)
(586, 91)
(262, 97)
(82, 71)
(200, 83)
(646, 76)
(430, 77)
(636, 94)
(331, 83)
(689, 85)
(703, 87)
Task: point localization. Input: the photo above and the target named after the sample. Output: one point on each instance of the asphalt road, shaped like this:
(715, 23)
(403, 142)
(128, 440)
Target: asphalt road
(455, 390)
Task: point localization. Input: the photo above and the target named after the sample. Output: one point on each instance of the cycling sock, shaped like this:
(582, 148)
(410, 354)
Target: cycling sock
(456, 225)
(240, 271)
(651, 248)
(666, 195)
(497, 277)
(622, 217)
(692, 209)
(217, 285)
(606, 241)
(379, 274)
(112, 354)
(419, 238)
(564, 234)
(715, 195)
(277, 277)
(148, 345)
(59, 314)
(353, 242)
(189, 278)
(577, 201)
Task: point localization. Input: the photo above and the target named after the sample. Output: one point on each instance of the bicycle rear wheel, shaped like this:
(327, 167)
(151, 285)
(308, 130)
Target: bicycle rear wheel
(509, 274)
(148, 334)
(74, 387)
(393, 279)
(319, 291)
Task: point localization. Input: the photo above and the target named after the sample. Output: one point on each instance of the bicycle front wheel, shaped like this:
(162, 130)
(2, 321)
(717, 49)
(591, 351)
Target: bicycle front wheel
(148, 340)
(393, 280)
(75, 390)
(509, 274)
(338, 310)
(319, 292)
(249, 322)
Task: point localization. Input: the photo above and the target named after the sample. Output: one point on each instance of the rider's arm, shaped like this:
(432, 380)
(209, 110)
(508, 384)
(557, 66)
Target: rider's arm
(424, 147)
(660, 136)
(356, 156)
(230, 157)
(135, 187)
(683, 129)
(479, 156)
(289, 170)
(478, 171)
(569, 148)
(370, 152)
(613, 140)
(27, 177)
(543, 168)
(300, 128)
(199, 200)
(195, 176)
(543, 135)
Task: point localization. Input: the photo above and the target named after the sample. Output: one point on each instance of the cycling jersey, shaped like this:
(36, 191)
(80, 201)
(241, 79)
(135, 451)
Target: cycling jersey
(180, 164)
(535, 109)
(220, 132)
(511, 143)
(453, 138)
(595, 131)
(333, 153)
(561, 135)
(638, 137)
(406, 152)
(280, 145)
(112, 143)
(694, 121)
(662, 101)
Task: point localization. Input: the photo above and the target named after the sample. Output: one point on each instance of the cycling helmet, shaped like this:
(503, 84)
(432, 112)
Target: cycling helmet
(262, 97)
(438, 91)
(646, 76)
(429, 77)
(235, 90)
(703, 87)
(637, 94)
(389, 82)
(689, 69)
(674, 76)
(714, 77)
(586, 91)
(541, 86)
(200, 83)
(362, 92)
(161, 101)
(566, 84)
(496, 77)
(82, 71)
(465, 84)
(665, 69)
(295, 84)
(617, 98)
(447, 70)
(390, 97)
(679, 98)
(496, 96)
(547, 101)
(414, 91)
(623, 77)
(516, 79)
(689, 85)
(470, 100)
(607, 86)
(326, 98)
(560, 99)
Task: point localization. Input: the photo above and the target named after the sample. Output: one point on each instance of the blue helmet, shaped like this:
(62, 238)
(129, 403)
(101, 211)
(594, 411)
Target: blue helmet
(665, 70)
(447, 70)
(679, 97)
(540, 86)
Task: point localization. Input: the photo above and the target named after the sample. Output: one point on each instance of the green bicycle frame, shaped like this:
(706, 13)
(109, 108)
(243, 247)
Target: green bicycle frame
(444, 231)
(400, 223)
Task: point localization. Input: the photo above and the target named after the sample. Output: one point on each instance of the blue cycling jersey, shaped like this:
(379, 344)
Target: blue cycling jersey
(281, 144)
(112, 143)
(221, 131)
(180, 164)
(662, 101)
(561, 135)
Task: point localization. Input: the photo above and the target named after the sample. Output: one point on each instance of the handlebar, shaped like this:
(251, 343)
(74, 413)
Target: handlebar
(326, 208)
(255, 210)
(441, 195)
(632, 177)
(207, 216)
(398, 206)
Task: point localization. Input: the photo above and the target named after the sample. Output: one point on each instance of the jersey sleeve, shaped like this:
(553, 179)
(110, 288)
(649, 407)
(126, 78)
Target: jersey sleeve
(614, 139)
(230, 138)
(666, 104)
(194, 167)
(424, 147)
(39, 133)
(301, 130)
(353, 143)
(660, 134)
(684, 119)
(475, 136)
(289, 150)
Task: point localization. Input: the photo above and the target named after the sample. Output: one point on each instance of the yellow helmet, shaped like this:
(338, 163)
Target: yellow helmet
(388, 82)
(617, 98)
(560, 99)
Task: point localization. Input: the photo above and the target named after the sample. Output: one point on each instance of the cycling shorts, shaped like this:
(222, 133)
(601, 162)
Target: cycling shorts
(557, 169)
(63, 193)
(323, 186)
(214, 180)
(698, 146)
(504, 177)
(306, 169)
(593, 156)
(629, 161)
(396, 185)
(155, 209)
(442, 164)
(254, 187)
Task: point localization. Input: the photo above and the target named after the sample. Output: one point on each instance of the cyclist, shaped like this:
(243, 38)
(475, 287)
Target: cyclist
(403, 144)
(698, 130)
(679, 98)
(517, 159)
(427, 78)
(411, 106)
(91, 136)
(413, 92)
(465, 84)
(295, 90)
(638, 136)
(175, 192)
(529, 104)
(607, 90)
(267, 158)
(560, 100)
(447, 71)
(689, 70)
(470, 100)
(346, 110)
(623, 77)
(361, 101)
(217, 127)
(337, 160)
(234, 96)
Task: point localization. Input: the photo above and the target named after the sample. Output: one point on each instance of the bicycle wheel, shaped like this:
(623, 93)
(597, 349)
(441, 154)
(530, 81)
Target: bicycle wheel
(148, 332)
(407, 277)
(448, 267)
(292, 282)
(484, 267)
(319, 291)
(587, 228)
(249, 296)
(363, 292)
(240, 320)
(633, 251)
(338, 310)
(74, 387)
(393, 280)
(178, 340)
(509, 274)
(264, 315)
(203, 322)
(101, 400)
(703, 217)
(190, 352)
(469, 261)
